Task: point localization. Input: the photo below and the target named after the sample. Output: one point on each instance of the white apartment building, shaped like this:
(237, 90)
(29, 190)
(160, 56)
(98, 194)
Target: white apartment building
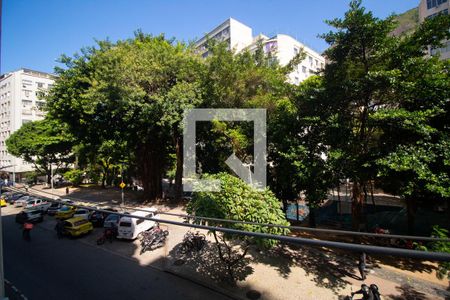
(237, 35)
(283, 47)
(430, 9)
(19, 104)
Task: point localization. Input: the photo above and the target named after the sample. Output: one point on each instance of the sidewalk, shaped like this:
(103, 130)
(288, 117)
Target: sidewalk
(289, 273)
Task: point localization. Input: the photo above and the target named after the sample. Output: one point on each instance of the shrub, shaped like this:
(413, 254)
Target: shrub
(74, 176)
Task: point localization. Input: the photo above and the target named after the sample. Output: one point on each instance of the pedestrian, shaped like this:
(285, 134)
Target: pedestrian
(67, 190)
(362, 265)
(60, 229)
(27, 226)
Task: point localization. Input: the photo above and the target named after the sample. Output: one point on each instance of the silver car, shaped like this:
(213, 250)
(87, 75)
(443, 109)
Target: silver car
(22, 201)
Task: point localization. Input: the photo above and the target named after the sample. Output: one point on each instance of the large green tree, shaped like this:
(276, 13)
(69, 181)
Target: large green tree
(415, 139)
(132, 92)
(373, 80)
(46, 144)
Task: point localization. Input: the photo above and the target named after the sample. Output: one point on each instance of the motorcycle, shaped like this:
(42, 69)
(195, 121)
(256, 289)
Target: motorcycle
(368, 293)
(153, 239)
(108, 235)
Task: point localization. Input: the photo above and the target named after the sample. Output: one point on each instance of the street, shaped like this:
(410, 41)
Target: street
(48, 268)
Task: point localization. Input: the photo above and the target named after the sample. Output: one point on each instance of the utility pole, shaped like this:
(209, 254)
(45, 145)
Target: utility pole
(122, 184)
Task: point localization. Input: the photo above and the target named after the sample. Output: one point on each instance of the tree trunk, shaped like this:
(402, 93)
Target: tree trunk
(179, 171)
(49, 175)
(357, 203)
(151, 163)
(339, 197)
(411, 209)
(312, 217)
(371, 195)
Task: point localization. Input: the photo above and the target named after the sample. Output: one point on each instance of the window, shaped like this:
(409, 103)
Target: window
(296, 50)
(434, 3)
(317, 62)
(26, 103)
(49, 86)
(443, 12)
(27, 93)
(25, 121)
(303, 69)
(40, 84)
(139, 221)
(310, 60)
(40, 104)
(26, 82)
(125, 224)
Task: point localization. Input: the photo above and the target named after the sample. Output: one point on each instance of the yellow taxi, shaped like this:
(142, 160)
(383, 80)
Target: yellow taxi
(77, 226)
(65, 212)
(2, 202)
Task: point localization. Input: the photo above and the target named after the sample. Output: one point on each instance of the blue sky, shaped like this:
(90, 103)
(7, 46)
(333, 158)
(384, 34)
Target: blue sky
(36, 32)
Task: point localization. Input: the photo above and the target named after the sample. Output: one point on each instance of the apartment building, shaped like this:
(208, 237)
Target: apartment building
(19, 104)
(283, 47)
(237, 35)
(430, 9)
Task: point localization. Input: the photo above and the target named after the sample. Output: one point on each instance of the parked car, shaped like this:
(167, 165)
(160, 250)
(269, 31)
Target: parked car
(30, 215)
(38, 204)
(97, 218)
(14, 197)
(65, 212)
(54, 207)
(77, 226)
(82, 212)
(130, 228)
(67, 201)
(111, 221)
(22, 201)
(6, 195)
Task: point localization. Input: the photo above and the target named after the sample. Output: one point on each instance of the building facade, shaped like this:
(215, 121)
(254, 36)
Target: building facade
(235, 34)
(20, 104)
(283, 47)
(430, 9)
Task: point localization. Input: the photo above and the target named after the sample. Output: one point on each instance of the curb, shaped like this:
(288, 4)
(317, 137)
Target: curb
(18, 294)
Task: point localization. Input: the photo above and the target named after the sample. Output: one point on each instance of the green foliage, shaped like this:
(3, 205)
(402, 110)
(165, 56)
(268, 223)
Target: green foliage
(238, 201)
(75, 176)
(42, 143)
(444, 267)
(31, 177)
(131, 92)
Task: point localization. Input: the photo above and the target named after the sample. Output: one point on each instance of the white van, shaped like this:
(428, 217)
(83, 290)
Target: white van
(129, 227)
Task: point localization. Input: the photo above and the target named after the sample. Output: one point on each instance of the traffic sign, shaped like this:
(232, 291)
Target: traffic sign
(122, 185)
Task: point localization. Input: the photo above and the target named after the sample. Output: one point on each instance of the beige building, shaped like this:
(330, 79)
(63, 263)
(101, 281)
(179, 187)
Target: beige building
(430, 9)
(19, 104)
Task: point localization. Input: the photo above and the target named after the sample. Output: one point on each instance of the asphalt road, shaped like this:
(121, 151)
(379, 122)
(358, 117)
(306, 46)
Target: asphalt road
(48, 268)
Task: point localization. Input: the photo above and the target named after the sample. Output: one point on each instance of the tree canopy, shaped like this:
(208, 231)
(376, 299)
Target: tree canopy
(45, 144)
